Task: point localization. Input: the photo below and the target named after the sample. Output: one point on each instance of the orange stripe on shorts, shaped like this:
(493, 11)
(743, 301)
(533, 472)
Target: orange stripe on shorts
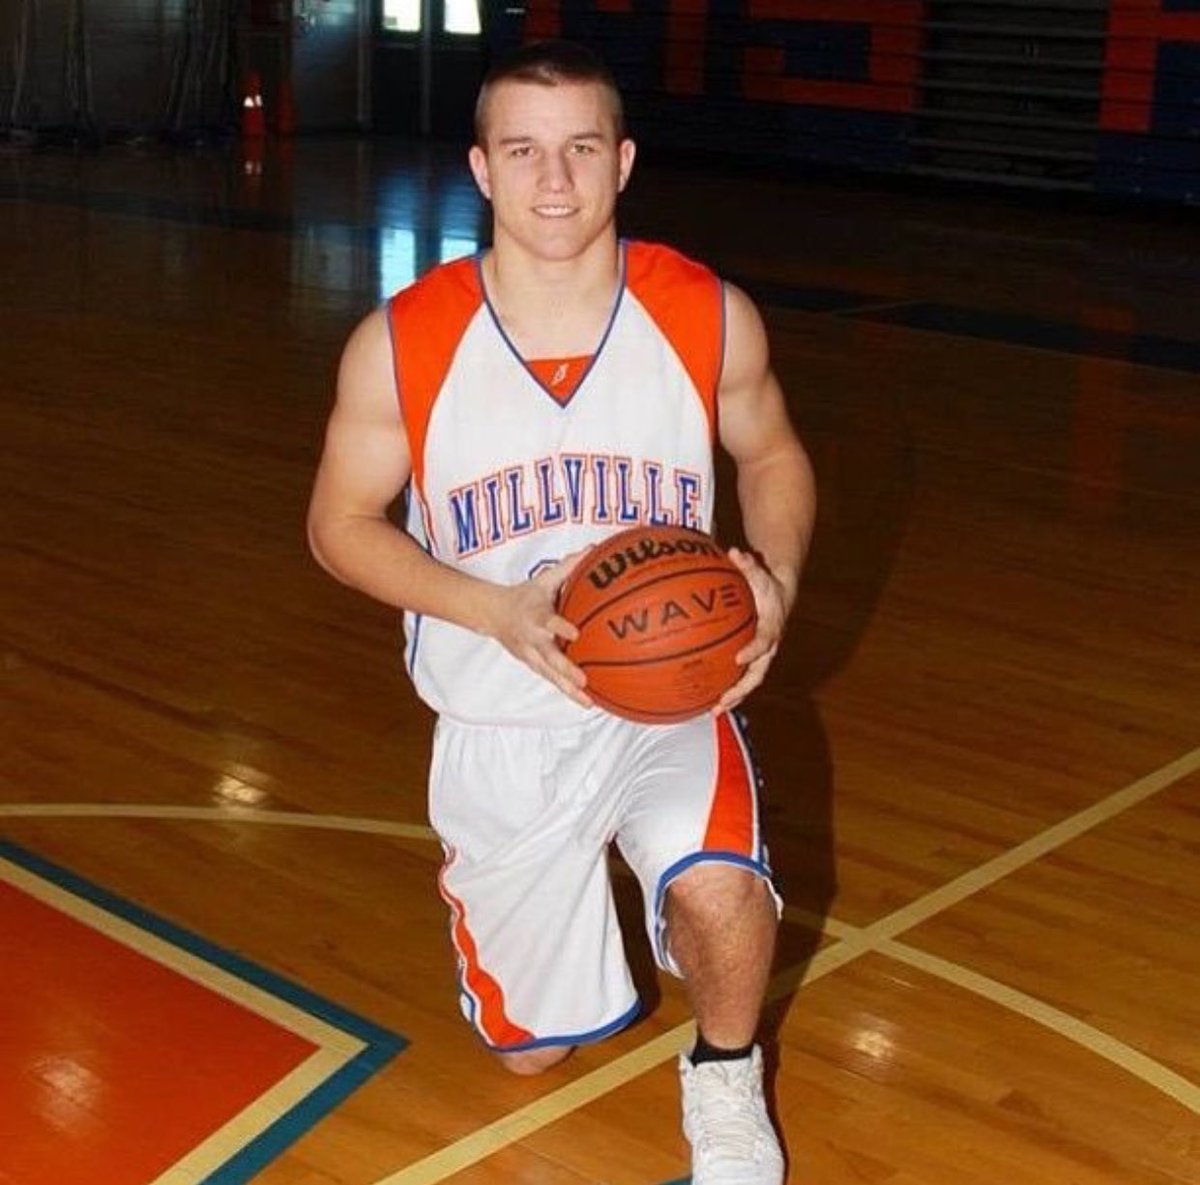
(731, 823)
(487, 993)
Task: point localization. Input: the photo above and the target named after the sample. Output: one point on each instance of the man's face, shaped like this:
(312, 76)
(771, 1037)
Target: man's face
(551, 166)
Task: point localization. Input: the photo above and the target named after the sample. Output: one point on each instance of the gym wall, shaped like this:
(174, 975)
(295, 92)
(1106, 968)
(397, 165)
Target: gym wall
(1093, 96)
(1085, 96)
(115, 69)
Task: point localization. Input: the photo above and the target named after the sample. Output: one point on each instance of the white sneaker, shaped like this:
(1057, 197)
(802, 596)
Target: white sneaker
(725, 1120)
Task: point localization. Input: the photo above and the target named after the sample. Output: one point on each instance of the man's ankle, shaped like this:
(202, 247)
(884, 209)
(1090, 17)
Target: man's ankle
(704, 1051)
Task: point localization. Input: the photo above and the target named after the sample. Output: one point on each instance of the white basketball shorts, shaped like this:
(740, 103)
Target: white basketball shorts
(526, 817)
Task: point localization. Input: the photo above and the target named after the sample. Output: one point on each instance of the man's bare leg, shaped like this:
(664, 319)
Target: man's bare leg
(721, 923)
(534, 1061)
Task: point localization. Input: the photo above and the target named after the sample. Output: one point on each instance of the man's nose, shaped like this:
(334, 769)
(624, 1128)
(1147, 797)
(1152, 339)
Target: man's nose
(556, 171)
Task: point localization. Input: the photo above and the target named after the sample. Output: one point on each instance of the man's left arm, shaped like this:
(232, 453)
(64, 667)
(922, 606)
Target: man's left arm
(774, 482)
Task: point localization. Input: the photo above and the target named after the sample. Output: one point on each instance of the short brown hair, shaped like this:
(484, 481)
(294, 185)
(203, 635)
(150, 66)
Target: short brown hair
(550, 63)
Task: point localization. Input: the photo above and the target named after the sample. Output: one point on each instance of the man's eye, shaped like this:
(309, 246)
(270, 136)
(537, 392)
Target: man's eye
(583, 148)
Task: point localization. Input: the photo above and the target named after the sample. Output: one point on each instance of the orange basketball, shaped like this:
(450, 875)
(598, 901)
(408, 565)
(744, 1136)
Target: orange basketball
(661, 614)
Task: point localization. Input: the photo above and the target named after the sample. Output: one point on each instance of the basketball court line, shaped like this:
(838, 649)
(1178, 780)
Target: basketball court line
(852, 943)
(1046, 841)
(1094, 1040)
(518, 1124)
(214, 814)
(347, 1049)
(306, 1024)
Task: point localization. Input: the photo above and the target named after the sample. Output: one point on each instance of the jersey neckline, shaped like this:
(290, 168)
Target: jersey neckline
(562, 404)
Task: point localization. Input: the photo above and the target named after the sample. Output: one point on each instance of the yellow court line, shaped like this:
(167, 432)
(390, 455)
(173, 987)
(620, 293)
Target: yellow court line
(1092, 1039)
(222, 1145)
(1032, 849)
(334, 1047)
(853, 942)
(213, 814)
(216, 979)
(486, 1141)
(822, 925)
(515, 1126)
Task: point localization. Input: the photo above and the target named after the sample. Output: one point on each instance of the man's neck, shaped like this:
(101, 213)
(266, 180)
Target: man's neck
(553, 308)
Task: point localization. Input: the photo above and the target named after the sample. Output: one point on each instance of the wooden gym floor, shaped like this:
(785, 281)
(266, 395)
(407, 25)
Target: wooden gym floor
(224, 955)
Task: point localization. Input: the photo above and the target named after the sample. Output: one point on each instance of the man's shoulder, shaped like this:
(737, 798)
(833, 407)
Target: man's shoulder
(674, 288)
(427, 321)
(653, 264)
(444, 288)
(685, 301)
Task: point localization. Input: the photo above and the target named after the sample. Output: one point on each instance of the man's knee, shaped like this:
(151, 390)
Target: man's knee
(717, 889)
(534, 1061)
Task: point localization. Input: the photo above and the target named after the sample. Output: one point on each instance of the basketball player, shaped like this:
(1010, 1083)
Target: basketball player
(558, 388)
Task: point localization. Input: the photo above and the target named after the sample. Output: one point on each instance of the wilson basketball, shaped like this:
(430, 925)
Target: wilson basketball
(661, 612)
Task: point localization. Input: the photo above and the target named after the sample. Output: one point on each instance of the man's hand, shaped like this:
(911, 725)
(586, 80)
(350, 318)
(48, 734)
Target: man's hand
(773, 601)
(526, 624)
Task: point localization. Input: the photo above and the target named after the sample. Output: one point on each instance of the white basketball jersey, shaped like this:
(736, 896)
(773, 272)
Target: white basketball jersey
(508, 478)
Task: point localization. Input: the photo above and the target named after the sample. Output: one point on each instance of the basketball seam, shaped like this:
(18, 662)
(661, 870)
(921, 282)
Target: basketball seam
(674, 656)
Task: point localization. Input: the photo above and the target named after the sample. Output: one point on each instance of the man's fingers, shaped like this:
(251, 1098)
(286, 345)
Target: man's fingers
(743, 560)
(551, 663)
(752, 677)
(738, 692)
(569, 679)
(554, 575)
(756, 648)
(560, 627)
(568, 562)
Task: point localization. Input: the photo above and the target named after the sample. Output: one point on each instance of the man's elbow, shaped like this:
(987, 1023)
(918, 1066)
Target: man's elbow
(321, 535)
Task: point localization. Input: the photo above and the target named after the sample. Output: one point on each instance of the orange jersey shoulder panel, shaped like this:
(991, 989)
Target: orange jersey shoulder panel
(687, 303)
(427, 321)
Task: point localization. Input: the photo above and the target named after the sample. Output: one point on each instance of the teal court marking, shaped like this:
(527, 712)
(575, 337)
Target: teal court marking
(379, 1046)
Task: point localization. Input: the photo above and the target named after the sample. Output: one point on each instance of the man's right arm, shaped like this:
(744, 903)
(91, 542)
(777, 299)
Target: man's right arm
(365, 465)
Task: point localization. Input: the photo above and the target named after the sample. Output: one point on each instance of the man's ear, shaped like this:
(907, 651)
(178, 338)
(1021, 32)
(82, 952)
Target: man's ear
(626, 151)
(477, 159)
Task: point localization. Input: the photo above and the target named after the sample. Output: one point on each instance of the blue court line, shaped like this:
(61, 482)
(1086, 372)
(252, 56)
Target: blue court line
(381, 1045)
(1067, 337)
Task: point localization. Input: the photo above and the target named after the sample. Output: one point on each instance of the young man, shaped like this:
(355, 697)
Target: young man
(534, 400)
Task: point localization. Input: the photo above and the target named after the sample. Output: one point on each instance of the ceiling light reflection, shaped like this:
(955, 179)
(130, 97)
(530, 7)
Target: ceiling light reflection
(231, 791)
(70, 1094)
(874, 1044)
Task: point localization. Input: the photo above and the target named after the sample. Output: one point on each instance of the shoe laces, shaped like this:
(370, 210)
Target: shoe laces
(724, 1114)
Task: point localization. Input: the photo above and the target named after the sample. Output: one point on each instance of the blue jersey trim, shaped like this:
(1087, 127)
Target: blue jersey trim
(412, 512)
(587, 1038)
(723, 296)
(612, 320)
(741, 733)
(716, 856)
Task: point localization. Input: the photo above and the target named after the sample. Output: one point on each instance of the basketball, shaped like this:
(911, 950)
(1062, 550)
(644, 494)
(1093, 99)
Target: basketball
(661, 612)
